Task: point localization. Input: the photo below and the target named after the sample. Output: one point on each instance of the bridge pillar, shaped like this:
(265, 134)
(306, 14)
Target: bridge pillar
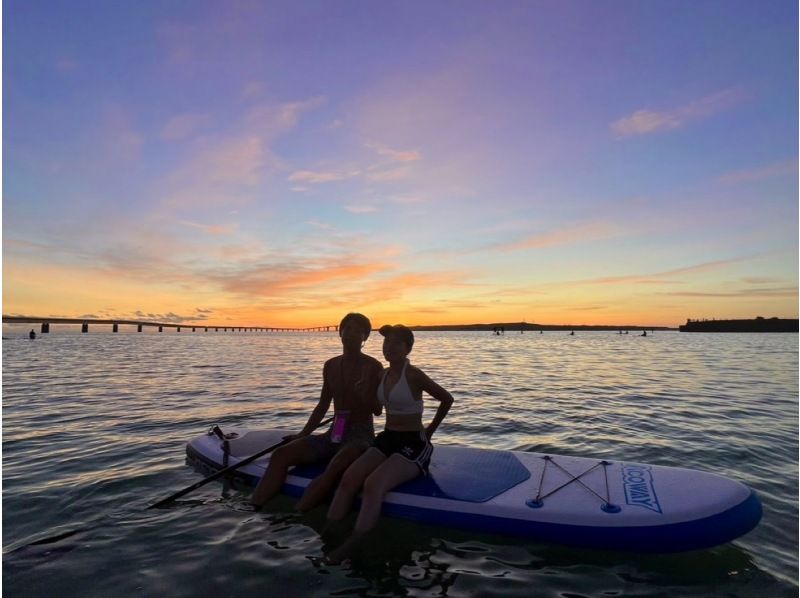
(161, 329)
(84, 327)
(179, 328)
(139, 328)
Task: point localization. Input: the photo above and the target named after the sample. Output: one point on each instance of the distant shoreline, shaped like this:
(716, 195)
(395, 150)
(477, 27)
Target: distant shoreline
(745, 325)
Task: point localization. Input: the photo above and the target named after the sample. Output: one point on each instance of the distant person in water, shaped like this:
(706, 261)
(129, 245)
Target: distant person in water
(32, 334)
(350, 381)
(644, 333)
(402, 451)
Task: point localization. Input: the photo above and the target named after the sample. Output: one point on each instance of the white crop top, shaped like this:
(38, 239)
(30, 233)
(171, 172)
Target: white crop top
(401, 401)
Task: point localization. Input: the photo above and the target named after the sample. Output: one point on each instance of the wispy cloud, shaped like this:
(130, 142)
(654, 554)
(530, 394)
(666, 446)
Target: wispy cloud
(393, 154)
(761, 280)
(741, 293)
(181, 126)
(319, 225)
(406, 199)
(21, 244)
(268, 119)
(240, 252)
(578, 233)
(353, 209)
(166, 318)
(659, 277)
(211, 229)
(220, 173)
(277, 279)
(392, 174)
(646, 121)
(315, 178)
(782, 168)
(226, 169)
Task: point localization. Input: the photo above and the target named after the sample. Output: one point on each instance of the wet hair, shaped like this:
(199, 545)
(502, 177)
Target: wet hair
(359, 320)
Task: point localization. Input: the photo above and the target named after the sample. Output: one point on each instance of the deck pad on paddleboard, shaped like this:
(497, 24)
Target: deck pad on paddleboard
(468, 474)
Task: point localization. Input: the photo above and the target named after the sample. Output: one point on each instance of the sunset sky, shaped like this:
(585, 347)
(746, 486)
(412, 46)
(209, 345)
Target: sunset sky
(283, 163)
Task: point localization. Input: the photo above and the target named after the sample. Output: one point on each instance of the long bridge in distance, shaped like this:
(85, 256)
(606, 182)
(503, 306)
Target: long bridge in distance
(140, 324)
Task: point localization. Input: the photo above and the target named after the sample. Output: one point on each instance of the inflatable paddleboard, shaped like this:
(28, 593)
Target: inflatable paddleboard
(548, 498)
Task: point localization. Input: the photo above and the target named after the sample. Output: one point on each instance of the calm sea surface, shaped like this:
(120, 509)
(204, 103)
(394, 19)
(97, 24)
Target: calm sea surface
(95, 427)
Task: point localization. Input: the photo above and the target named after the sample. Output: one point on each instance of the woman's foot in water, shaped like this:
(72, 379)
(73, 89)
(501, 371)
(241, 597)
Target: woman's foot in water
(345, 551)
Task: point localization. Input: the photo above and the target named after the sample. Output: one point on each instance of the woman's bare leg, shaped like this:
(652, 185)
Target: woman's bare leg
(391, 473)
(351, 483)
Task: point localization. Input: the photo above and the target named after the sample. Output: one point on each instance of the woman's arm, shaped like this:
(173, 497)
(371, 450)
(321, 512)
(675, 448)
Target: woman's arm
(440, 394)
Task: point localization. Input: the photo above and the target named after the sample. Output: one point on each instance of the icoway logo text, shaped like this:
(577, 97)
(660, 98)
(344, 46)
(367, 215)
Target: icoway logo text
(639, 490)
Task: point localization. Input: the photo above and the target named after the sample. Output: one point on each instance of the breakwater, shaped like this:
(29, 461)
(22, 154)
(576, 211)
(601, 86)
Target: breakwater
(753, 325)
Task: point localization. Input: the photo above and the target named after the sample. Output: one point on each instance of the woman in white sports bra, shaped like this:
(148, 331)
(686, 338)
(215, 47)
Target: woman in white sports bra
(403, 450)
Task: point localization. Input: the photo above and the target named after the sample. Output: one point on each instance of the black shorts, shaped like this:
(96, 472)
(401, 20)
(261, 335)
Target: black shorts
(412, 446)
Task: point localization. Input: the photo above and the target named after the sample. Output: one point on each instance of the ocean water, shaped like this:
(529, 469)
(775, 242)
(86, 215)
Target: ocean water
(95, 425)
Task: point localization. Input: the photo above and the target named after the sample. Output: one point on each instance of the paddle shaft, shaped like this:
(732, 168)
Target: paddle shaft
(227, 470)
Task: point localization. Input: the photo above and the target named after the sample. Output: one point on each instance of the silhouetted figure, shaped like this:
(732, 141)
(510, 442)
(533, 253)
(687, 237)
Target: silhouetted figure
(644, 332)
(572, 333)
(32, 334)
(541, 332)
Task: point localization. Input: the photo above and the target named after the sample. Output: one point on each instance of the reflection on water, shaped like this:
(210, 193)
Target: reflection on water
(94, 428)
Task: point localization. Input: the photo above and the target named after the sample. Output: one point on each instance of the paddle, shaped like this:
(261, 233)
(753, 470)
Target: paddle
(227, 470)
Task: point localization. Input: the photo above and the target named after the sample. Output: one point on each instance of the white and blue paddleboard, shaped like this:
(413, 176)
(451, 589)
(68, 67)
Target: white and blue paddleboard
(548, 498)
